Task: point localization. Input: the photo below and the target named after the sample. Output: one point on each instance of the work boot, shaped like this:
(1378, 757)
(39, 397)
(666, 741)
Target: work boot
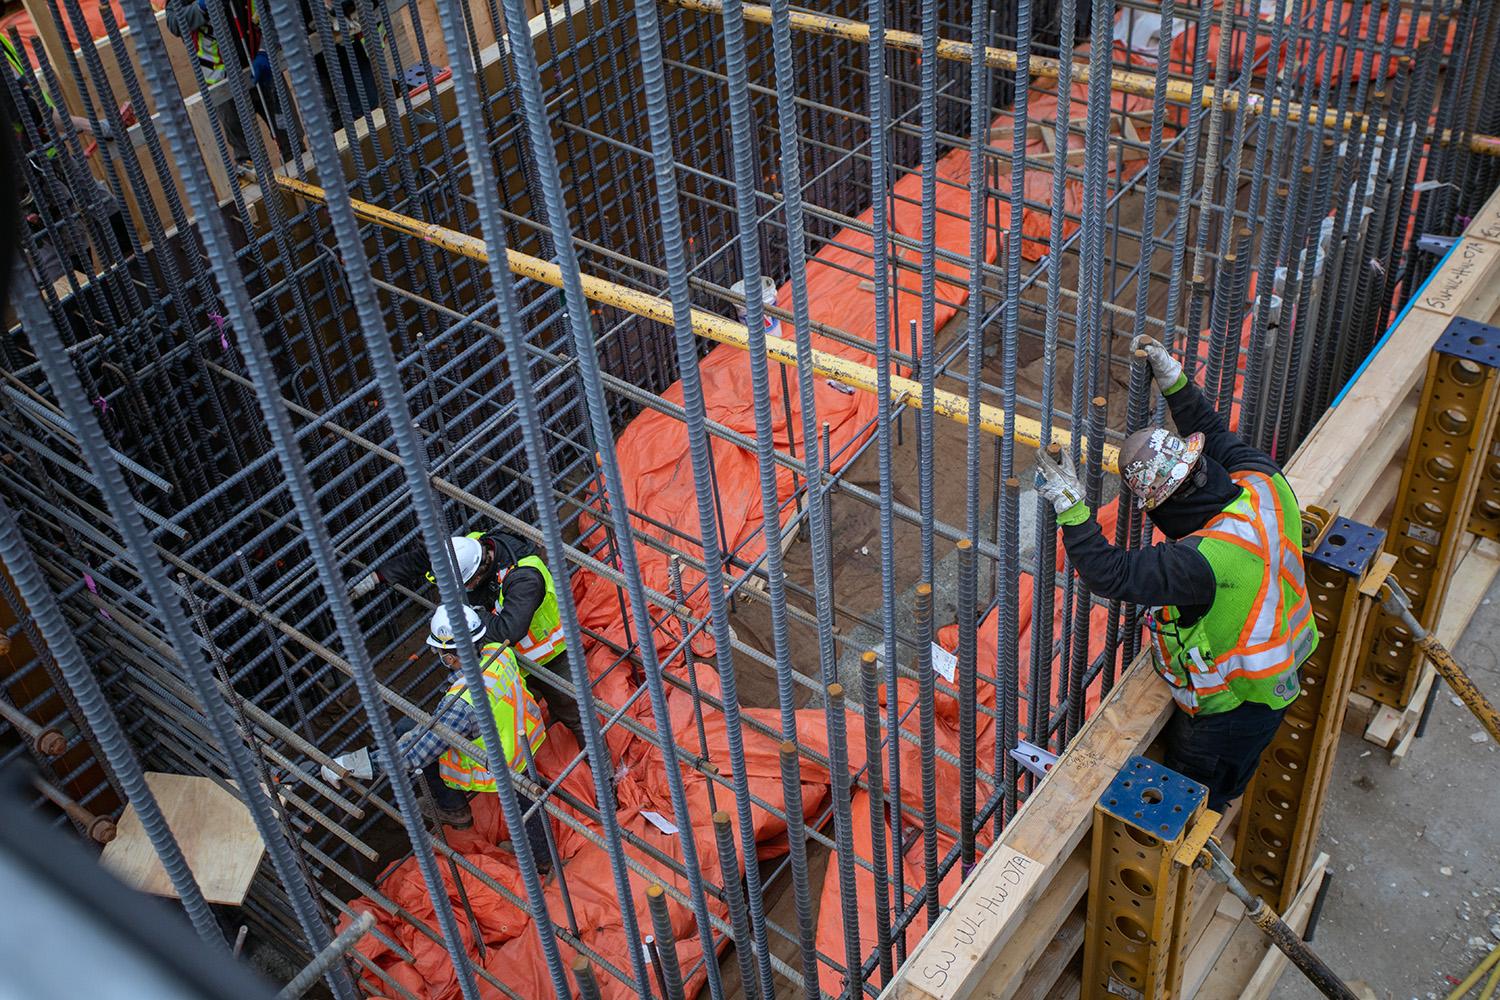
(459, 819)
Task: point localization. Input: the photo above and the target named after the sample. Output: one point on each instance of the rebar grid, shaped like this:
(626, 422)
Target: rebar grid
(221, 382)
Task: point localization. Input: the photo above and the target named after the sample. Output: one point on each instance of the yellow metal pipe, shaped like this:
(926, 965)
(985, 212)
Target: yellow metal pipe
(708, 325)
(1143, 84)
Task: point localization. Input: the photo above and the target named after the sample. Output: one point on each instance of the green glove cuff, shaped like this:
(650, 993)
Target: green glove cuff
(1076, 514)
(1181, 381)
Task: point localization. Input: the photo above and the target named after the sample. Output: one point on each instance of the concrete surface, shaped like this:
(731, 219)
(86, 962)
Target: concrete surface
(1415, 848)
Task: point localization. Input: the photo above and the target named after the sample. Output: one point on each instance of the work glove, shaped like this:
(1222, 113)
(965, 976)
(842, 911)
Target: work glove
(364, 585)
(357, 763)
(1164, 368)
(1057, 481)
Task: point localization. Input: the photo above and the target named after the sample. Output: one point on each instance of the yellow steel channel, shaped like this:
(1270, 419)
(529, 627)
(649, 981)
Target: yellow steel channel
(716, 328)
(1178, 91)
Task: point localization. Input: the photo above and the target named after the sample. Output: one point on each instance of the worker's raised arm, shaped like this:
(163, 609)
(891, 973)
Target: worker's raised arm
(1168, 573)
(1192, 413)
(1165, 573)
(408, 569)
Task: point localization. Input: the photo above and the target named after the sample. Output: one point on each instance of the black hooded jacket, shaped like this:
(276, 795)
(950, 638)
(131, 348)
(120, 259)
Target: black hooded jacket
(524, 588)
(1171, 572)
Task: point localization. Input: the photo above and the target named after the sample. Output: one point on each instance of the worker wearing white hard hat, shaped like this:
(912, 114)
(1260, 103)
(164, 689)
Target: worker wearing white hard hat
(507, 578)
(451, 773)
(1231, 621)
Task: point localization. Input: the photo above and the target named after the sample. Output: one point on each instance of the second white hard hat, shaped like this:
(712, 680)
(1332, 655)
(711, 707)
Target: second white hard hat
(440, 634)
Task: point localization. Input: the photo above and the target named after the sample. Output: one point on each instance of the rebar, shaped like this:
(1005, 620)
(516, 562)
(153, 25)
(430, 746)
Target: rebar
(376, 306)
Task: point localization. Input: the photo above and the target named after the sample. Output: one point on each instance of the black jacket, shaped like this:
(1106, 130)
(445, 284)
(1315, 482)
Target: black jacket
(524, 587)
(1171, 572)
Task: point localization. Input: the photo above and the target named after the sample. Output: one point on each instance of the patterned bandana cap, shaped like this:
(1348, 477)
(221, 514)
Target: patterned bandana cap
(1161, 467)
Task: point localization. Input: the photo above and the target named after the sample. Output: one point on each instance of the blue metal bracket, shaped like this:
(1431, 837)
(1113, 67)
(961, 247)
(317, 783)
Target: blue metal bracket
(1152, 798)
(1471, 339)
(1348, 546)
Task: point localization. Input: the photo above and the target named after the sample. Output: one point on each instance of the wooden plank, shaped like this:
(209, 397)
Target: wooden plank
(1025, 958)
(214, 829)
(1325, 463)
(1045, 832)
(1061, 953)
(1205, 954)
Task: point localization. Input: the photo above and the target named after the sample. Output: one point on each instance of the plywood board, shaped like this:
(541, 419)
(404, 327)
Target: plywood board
(213, 828)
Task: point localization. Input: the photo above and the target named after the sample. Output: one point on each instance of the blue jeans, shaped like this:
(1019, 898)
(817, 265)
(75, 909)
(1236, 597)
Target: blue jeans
(1223, 750)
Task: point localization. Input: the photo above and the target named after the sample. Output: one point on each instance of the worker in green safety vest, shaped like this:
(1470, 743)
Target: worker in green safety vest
(17, 65)
(450, 774)
(504, 575)
(1230, 618)
(190, 20)
(58, 193)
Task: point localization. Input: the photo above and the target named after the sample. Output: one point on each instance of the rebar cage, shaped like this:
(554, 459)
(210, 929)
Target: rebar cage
(164, 302)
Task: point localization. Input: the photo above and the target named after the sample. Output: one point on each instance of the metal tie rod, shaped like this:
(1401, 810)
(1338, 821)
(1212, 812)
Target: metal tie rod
(991, 419)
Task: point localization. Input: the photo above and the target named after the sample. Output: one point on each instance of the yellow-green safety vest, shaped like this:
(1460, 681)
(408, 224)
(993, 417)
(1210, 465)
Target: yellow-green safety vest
(544, 638)
(513, 708)
(1259, 628)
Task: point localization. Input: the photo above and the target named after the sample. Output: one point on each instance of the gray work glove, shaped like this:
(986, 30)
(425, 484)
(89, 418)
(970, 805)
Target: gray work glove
(356, 762)
(1164, 368)
(364, 585)
(1057, 481)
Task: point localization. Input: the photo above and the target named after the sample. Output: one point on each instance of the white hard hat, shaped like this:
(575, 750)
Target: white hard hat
(468, 554)
(440, 632)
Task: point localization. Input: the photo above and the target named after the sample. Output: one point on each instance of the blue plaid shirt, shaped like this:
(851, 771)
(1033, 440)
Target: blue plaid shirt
(422, 745)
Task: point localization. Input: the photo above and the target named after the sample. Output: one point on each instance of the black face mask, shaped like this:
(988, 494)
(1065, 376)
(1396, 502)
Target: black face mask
(1206, 491)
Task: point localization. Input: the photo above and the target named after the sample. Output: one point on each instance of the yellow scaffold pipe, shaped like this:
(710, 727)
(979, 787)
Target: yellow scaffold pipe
(708, 325)
(1143, 84)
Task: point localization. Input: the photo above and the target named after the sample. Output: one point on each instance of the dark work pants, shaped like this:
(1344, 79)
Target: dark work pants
(561, 707)
(451, 799)
(1221, 751)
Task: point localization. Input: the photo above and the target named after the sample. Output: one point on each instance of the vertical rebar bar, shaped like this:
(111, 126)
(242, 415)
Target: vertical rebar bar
(967, 695)
(927, 727)
(734, 899)
(843, 821)
(796, 839)
(666, 942)
(869, 692)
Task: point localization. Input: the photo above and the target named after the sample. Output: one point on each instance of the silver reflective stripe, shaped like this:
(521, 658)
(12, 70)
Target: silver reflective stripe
(1205, 676)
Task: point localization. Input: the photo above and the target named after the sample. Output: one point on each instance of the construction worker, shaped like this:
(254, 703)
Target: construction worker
(1230, 621)
(59, 193)
(190, 21)
(504, 575)
(451, 773)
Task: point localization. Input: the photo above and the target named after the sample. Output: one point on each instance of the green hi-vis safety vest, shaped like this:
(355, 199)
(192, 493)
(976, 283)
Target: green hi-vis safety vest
(511, 705)
(544, 638)
(1259, 628)
(18, 67)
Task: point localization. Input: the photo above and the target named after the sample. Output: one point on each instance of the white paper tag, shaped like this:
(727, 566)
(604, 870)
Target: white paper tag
(659, 821)
(944, 662)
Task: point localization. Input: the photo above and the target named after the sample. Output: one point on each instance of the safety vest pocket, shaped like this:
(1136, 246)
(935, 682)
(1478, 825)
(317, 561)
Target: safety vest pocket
(1205, 674)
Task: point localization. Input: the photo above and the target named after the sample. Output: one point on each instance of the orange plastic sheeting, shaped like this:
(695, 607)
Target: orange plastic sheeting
(1343, 19)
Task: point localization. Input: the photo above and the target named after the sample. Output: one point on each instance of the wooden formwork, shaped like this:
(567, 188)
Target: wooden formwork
(1352, 461)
